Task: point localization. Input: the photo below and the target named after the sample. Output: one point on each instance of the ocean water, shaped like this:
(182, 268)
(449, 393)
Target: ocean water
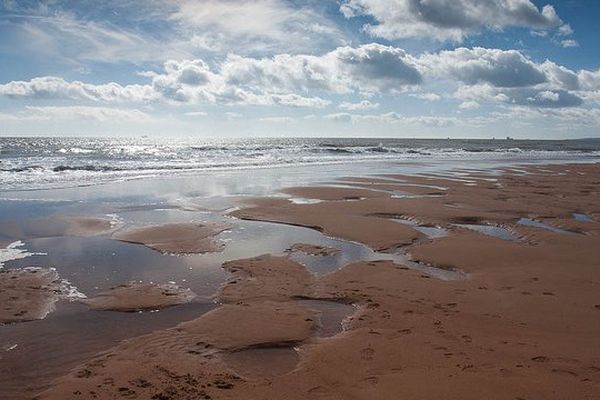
(42, 163)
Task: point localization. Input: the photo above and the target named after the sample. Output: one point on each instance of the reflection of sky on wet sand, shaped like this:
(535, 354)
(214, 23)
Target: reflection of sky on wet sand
(582, 217)
(537, 224)
(491, 230)
(51, 347)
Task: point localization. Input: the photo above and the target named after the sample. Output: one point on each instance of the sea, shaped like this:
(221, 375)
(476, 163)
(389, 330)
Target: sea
(29, 163)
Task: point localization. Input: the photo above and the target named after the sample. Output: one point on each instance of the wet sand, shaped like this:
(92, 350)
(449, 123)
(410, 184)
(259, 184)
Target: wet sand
(175, 238)
(135, 296)
(28, 294)
(523, 324)
(59, 226)
(313, 250)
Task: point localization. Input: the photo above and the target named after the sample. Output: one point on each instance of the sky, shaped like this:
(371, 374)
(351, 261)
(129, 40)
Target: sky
(325, 68)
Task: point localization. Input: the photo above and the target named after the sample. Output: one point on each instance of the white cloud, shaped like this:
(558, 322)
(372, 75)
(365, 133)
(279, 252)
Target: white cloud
(508, 77)
(565, 30)
(362, 105)
(569, 43)
(448, 19)
(426, 96)
(277, 120)
(189, 81)
(424, 120)
(395, 118)
(58, 88)
(548, 95)
(289, 80)
(75, 40)
(367, 68)
(294, 100)
(505, 77)
(137, 32)
(339, 117)
(531, 97)
(560, 77)
(501, 68)
(469, 105)
(562, 118)
(251, 26)
(589, 80)
(101, 114)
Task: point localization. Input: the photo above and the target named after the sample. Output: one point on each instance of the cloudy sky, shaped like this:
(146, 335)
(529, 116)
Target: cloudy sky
(400, 68)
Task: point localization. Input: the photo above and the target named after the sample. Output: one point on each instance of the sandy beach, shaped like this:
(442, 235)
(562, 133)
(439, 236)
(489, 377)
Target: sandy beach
(515, 317)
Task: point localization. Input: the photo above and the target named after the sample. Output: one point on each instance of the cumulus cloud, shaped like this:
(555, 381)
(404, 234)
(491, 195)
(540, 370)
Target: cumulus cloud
(566, 118)
(340, 117)
(396, 118)
(185, 81)
(448, 19)
(424, 120)
(565, 30)
(58, 88)
(480, 75)
(426, 96)
(277, 120)
(589, 80)
(290, 80)
(469, 105)
(508, 77)
(501, 68)
(569, 43)
(530, 97)
(101, 114)
(367, 68)
(362, 105)
(560, 77)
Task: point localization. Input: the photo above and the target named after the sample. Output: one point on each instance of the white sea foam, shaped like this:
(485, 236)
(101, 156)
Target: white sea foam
(115, 220)
(66, 162)
(15, 251)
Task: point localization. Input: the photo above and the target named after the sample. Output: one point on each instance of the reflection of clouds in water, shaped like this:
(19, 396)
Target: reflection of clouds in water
(537, 224)
(491, 230)
(582, 217)
(96, 263)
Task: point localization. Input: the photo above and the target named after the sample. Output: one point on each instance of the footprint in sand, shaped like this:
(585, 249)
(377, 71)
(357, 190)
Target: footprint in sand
(85, 373)
(564, 372)
(367, 353)
(318, 391)
(540, 359)
(373, 380)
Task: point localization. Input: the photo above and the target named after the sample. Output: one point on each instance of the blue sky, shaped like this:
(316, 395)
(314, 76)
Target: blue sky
(216, 68)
